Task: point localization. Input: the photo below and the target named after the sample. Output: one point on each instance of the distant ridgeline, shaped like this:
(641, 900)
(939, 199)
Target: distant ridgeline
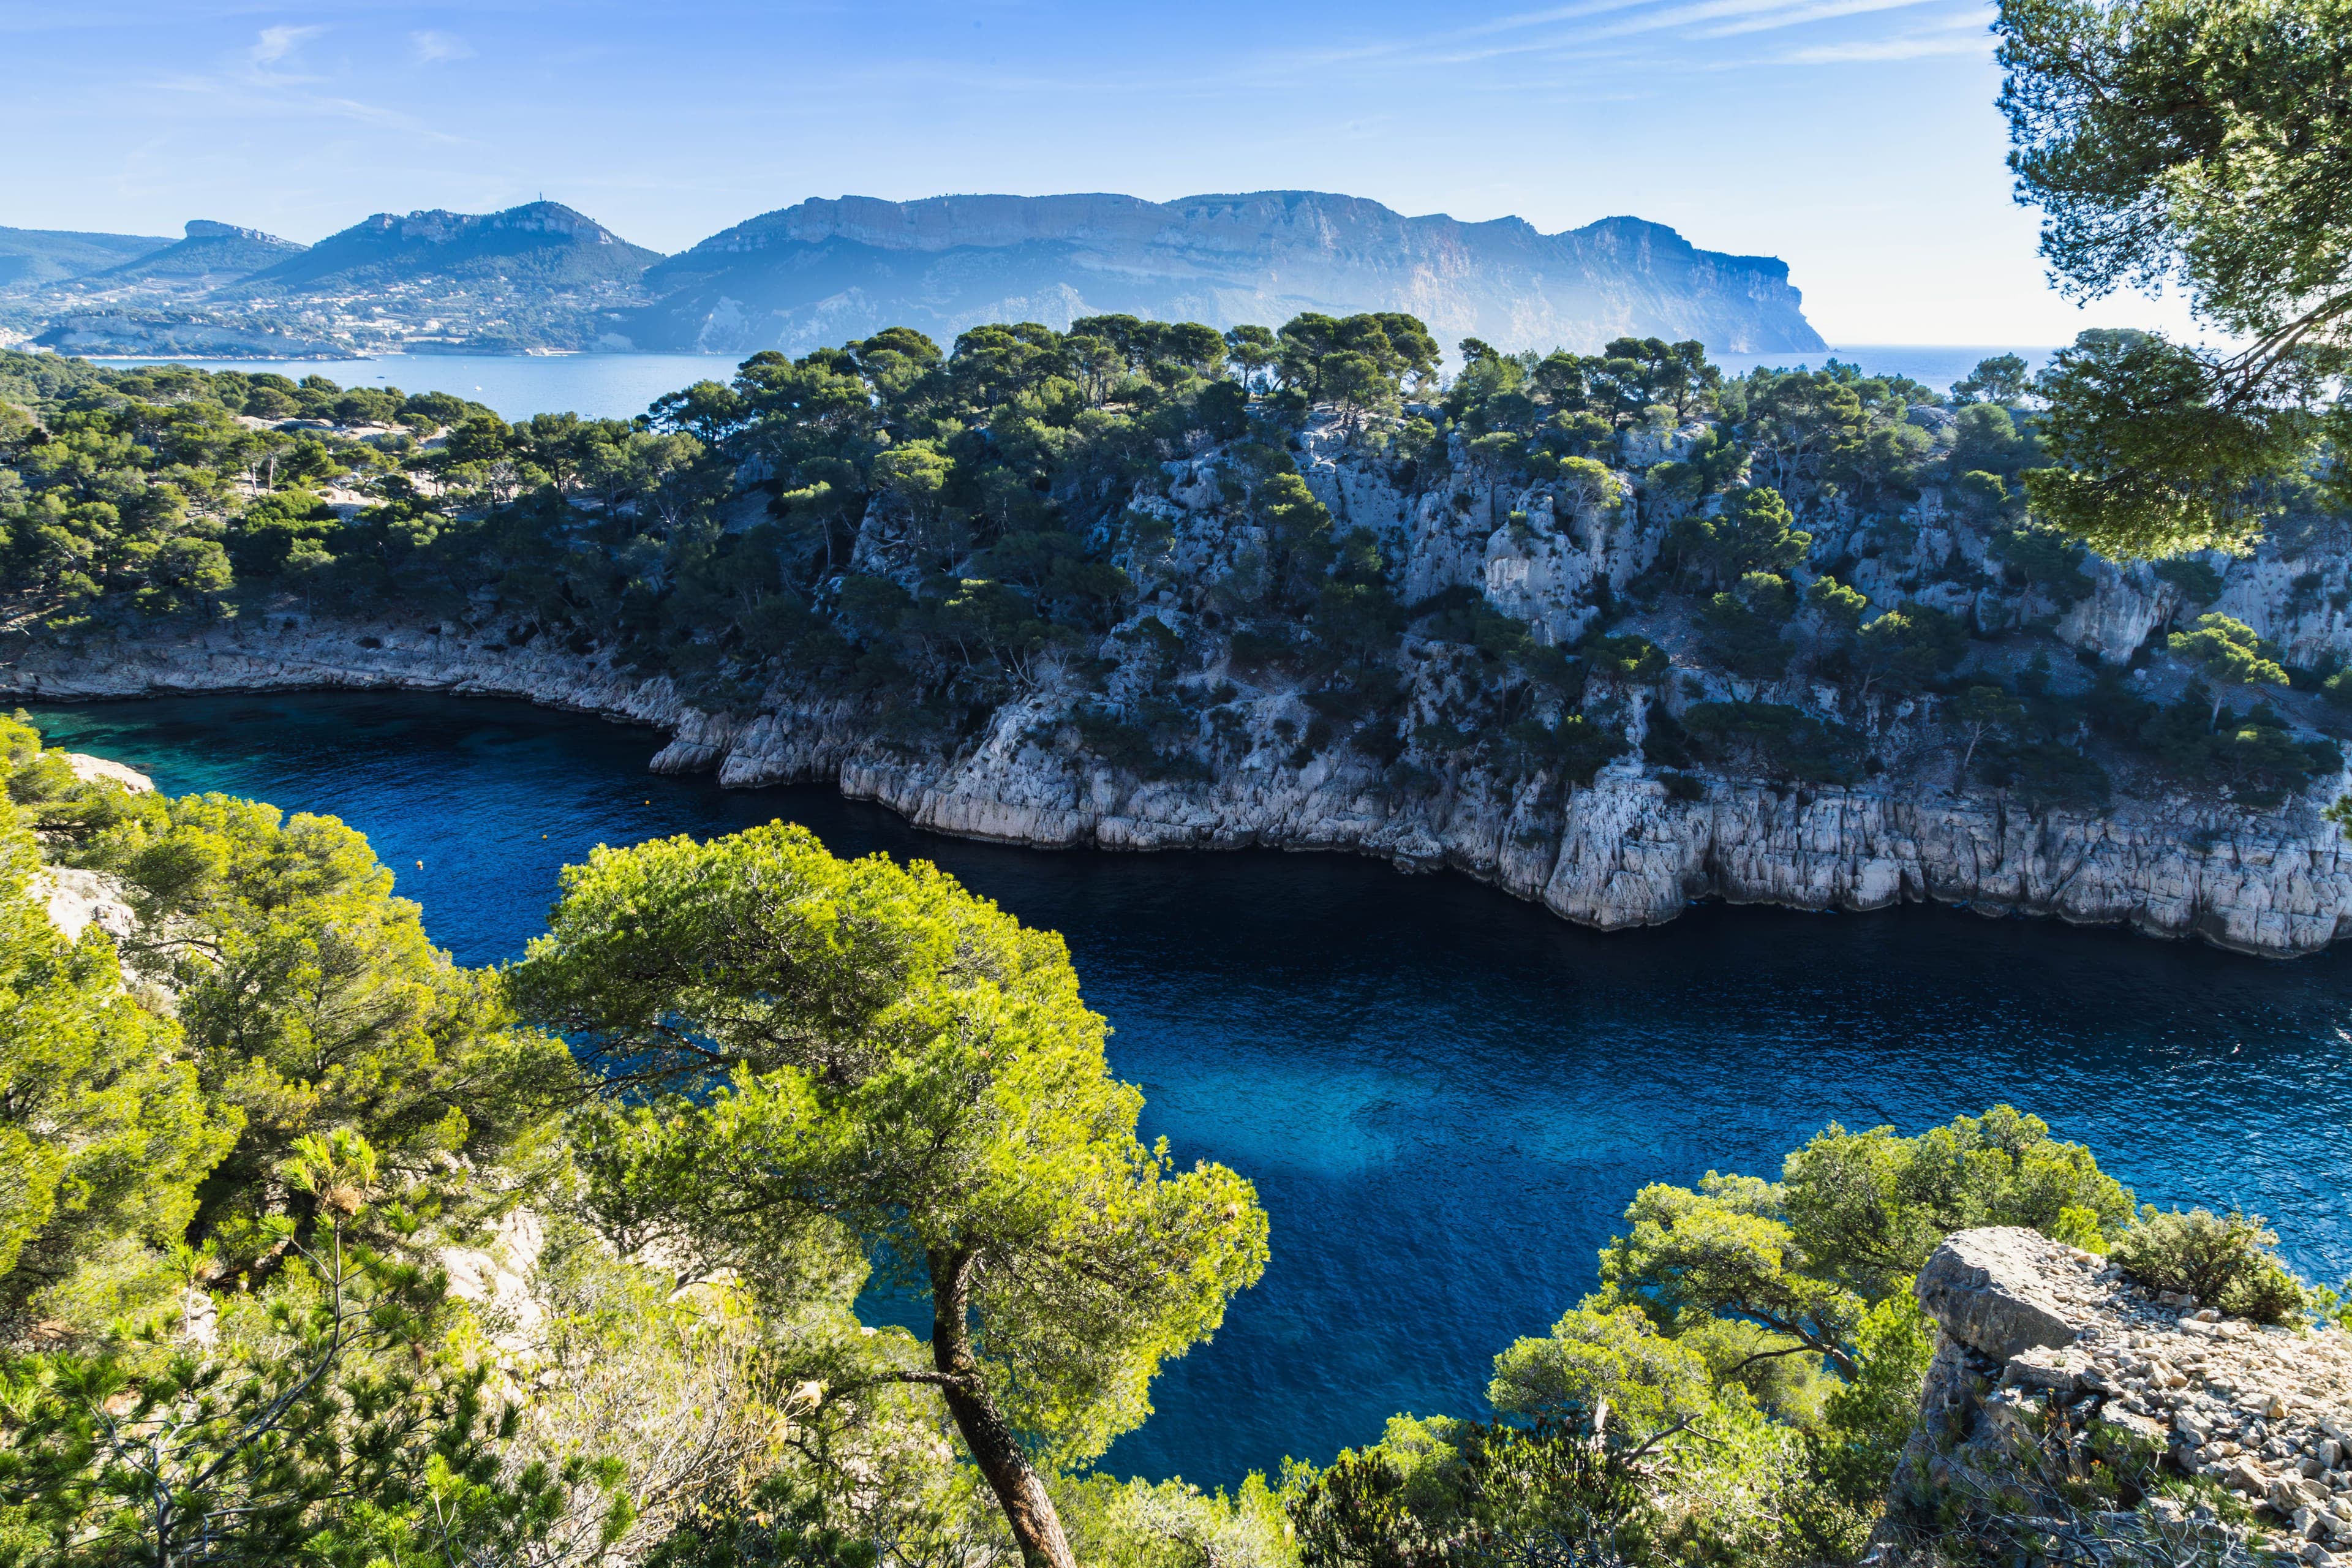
(1195, 560)
(543, 276)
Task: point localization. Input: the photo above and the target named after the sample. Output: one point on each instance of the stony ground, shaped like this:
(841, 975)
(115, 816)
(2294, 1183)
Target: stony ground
(2044, 1347)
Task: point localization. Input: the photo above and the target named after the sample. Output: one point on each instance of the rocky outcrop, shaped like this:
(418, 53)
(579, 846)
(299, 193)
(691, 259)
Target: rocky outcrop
(2048, 1358)
(76, 899)
(1628, 851)
(95, 770)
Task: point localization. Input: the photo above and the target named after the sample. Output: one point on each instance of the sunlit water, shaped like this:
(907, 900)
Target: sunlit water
(1445, 1097)
(619, 386)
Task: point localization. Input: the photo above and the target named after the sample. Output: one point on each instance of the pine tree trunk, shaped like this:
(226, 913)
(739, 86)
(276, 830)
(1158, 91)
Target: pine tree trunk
(1019, 1490)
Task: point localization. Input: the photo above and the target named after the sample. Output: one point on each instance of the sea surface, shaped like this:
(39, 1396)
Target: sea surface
(619, 386)
(1445, 1095)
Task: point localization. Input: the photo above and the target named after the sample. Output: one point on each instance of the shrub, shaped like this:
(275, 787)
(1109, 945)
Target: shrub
(1439, 1493)
(2199, 582)
(2224, 1260)
(1785, 739)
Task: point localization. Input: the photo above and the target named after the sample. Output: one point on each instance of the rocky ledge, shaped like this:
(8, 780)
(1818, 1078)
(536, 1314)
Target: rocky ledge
(1630, 850)
(2051, 1366)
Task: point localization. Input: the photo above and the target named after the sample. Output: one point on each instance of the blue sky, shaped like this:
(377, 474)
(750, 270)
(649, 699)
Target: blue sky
(1856, 139)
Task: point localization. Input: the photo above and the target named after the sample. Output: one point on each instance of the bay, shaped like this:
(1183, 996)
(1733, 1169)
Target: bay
(1445, 1097)
(620, 386)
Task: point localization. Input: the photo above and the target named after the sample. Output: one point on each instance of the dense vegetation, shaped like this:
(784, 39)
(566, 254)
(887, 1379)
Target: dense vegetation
(2201, 144)
(269, 1156)
(1111, 533)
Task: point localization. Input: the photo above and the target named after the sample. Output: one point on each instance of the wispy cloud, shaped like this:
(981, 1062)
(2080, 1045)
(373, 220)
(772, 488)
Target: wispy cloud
(1959, 36)
(268, 80)
(434, 46)
(276, 45)
(1799, 15)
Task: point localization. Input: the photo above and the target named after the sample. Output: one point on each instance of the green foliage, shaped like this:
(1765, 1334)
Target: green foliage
(1627, 657)
(1983, 711)
(1868, 1207)
(1696, 1378)
(1867, 1418)
(2227, 653)
(2001, 379)
(312, 1000)
(1139, 1524)
(103, 1131)
(2224, 1260)
(1752, 533)
(1607, 1362)
(333, 1423)
(2050, 562)
(2254, 756)
(1743, 629)
(1571, 749)
(2200, 145)
(831, 1061)
(1781, 739)
(2196, 580)
(1905, 650)
(1458, 1492)
(1852, 1219)
(1840, 607)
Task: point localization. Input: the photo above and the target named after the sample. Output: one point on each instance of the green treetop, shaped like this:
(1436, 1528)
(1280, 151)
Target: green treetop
(2227, 653)
(857, 1054)
(2205, 144)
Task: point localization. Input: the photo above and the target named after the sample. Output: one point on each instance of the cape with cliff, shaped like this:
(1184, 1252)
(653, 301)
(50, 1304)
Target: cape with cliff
(1610, 631)
(544, 277)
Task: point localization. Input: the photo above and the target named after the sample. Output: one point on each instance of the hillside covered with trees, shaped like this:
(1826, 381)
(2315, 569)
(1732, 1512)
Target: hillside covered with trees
(1164, 554)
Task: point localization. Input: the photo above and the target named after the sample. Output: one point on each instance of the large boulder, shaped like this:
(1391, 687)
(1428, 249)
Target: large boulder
(2004, 1290)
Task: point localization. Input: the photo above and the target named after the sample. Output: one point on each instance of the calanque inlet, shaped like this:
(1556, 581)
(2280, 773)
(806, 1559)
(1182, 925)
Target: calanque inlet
(1614, 632)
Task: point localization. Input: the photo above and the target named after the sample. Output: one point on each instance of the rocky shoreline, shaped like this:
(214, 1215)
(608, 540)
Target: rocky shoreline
(1625, 851)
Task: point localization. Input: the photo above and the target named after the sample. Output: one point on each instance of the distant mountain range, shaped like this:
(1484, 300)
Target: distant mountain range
(543, 277)
(30, 257)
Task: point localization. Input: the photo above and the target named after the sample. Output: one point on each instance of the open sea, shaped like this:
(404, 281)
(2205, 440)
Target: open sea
(1445, 1097)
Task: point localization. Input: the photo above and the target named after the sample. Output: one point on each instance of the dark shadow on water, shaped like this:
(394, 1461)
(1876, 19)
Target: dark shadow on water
(1444, 1096)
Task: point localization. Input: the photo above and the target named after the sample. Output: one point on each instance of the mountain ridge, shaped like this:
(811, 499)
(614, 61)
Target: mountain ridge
(545, 240)
(809, 273)
(545, 276)
(31, 257)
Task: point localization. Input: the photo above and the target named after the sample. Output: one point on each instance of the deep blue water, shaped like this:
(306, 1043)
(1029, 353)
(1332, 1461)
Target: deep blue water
(619, 386)
(1445, 1097)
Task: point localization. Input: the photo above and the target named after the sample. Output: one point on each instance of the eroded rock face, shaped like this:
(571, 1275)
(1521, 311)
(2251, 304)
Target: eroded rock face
(1623, 851)
(1633, 846)
(2040, 1345)
(76, 899)
(1998, 1291)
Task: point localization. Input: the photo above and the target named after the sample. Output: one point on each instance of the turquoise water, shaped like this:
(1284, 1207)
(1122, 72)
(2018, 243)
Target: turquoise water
(619, 386)
(1445, 1097)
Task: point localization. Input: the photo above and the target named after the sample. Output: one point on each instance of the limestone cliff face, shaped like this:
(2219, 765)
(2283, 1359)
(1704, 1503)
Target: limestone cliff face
(1633, 846)
(1622, 852)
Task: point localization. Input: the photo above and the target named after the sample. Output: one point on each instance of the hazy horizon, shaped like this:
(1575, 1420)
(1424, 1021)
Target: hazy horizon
(1856, 140)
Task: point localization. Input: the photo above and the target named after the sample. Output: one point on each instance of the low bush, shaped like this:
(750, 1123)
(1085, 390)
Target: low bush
(2224, 1260)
